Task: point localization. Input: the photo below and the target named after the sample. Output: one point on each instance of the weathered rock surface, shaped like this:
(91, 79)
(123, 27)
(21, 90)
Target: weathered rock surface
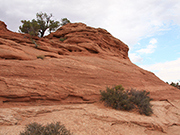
(95, 119)
(73, 70)
(38, 71)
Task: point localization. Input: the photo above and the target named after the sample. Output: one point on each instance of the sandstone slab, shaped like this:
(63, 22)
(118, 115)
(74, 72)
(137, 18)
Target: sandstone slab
(95, 119)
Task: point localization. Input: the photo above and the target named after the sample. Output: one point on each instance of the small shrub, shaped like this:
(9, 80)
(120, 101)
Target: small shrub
(62, 39)
(142, 100)
(41, 57)
(177, 85)
(34, 42)
(118, 98)
(33, 129)
(56, 129)
(49, 129)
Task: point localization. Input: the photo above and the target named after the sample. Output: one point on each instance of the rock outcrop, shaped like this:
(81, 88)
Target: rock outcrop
(70, 65)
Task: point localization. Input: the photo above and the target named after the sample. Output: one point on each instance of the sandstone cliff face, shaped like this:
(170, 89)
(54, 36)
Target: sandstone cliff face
(69, 66)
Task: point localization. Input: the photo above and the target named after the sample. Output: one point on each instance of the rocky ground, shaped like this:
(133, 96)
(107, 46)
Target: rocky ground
(58, 78)
(95, 119)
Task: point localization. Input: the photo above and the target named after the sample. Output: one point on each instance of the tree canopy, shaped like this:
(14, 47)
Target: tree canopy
(42, 23)
(31, 27)
(64, 21)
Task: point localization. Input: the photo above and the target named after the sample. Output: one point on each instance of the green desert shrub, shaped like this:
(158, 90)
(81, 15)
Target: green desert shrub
(120, 99)
(142, 100)
(62, 39)
(34, 42)
(117, 98)
(49, 129)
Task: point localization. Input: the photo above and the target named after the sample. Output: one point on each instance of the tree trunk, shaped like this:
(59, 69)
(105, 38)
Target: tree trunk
(42, 33)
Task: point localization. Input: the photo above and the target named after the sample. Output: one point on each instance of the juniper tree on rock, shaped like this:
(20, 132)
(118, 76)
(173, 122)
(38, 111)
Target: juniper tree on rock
(31, 27)
(64, 21)
(39, 26)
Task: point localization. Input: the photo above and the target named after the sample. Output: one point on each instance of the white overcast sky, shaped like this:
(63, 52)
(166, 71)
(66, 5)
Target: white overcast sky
(141, 24)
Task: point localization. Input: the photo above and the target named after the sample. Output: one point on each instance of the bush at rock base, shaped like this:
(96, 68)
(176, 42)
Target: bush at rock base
(142, 100)
(49, 129)
(120, 99)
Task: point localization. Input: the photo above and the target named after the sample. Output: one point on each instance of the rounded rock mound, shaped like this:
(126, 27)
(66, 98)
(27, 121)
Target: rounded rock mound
(70, 65)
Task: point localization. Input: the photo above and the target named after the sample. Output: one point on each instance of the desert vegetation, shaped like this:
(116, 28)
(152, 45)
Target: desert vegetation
(62, 39)
(42, 23)
(49, 129)
(40, 57)
(177, 85)
(120, 99)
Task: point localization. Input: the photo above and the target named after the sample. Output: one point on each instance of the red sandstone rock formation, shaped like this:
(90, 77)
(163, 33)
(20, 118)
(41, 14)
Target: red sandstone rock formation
(42, 70)
(36, 71)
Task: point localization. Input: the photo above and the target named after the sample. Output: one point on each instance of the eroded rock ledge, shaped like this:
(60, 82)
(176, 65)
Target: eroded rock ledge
(70, 65)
